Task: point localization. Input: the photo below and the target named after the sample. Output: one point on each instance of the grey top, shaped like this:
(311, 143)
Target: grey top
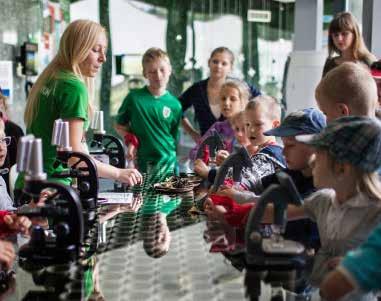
(6, 202)
(342, 227)
(331, 63)
(245, 196)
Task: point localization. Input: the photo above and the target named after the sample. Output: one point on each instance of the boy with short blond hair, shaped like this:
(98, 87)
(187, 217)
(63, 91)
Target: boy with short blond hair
(153, 54)
(268, 105)
(152, 114)
(349, 89)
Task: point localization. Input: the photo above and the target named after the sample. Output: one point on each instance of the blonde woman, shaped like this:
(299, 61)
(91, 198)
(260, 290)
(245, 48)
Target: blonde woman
(65, 90)
(345, 43)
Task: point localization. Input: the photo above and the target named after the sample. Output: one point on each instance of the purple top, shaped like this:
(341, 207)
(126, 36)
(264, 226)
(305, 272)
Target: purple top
(224, 129)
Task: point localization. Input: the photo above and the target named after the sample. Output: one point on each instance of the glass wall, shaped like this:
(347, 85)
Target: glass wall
(190, 30)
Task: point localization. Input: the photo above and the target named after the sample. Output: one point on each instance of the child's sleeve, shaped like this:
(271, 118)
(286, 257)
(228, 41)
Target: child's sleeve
(122, 117)
(254, 92)
(262, 166)
(363, 266)
(4, 229)
(317, 204)
(243, 197)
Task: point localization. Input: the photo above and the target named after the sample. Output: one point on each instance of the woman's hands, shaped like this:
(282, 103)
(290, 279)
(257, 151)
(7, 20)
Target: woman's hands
(130, 176)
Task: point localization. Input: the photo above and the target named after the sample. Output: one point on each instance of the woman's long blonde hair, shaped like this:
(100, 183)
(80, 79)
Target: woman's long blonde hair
(76, 42)
(345, 21)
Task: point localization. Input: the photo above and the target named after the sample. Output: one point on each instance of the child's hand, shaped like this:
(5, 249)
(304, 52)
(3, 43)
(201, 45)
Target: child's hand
(333, 262)
(201, 168)
(226, 191)
(214, 212)
(221, 156)
(131, 152)
(7, 254)
(18, 223)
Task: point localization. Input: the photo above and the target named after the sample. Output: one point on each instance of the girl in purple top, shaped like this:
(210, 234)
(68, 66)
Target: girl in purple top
(233, 97)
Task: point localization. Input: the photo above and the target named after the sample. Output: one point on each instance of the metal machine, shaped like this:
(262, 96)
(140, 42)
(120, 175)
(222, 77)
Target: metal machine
(104, 144)
(237, 161)
(82, 169)
(273, 260)
(214, 143)
(62, 242)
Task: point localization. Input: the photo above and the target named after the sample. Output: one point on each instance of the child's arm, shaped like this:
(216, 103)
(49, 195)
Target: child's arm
(256, 188)
(241, 197)
(335, 286)
(293, 213)
(7, 254)
(360, 268)
(122, 130)
(122, 118)
(10, 223)
(130, 140)
(121, 125)
(20, 224)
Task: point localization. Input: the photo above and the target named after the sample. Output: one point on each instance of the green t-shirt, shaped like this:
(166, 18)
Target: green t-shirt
(158, 203)
(65, 97)
(155, 121)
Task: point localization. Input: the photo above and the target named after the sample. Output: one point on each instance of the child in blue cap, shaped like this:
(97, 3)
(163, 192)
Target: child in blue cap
(297, 156)
(348, 205)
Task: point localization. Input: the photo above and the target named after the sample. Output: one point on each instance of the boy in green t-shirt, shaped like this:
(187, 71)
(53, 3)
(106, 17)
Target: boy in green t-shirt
(152, 114)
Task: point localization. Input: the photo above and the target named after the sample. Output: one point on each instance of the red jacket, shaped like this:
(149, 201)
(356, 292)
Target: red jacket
(4, 229)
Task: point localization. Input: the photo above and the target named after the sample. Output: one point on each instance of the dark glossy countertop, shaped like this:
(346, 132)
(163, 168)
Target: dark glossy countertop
(154, 253)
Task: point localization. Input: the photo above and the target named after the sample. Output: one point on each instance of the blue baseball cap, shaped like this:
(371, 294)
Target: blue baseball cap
(352, 139)
(303, 122)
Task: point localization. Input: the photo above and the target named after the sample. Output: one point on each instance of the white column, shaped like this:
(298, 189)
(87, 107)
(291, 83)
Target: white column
(371, 25)
(308, 25)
